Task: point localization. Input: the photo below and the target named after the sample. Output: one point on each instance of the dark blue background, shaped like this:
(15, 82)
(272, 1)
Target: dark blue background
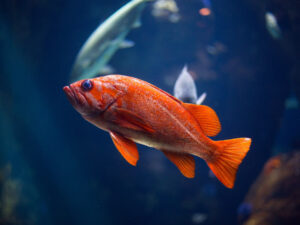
(70, 172)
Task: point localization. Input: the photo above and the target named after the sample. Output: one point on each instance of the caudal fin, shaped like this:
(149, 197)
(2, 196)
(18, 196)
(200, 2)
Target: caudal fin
(230, 153)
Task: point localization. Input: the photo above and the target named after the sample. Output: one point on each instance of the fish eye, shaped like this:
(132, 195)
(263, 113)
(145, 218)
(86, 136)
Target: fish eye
(87, 85)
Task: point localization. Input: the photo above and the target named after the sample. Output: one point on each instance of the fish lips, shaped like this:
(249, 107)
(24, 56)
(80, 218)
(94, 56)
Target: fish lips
(78, 100)
(70, 94)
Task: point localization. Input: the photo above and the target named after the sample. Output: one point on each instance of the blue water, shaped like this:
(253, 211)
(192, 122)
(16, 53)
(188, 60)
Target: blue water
(55, 168)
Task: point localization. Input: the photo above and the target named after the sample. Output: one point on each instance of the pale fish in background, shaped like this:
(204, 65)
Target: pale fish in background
(272, 25)
(185, 88)
(94, 55)
(166, 9)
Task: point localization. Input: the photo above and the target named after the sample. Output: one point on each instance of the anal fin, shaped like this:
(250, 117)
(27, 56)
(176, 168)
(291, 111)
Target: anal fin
(126, 147)
(184, 162)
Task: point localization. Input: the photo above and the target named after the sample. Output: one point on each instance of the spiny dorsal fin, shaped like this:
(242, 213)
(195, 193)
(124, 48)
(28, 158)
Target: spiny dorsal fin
(184, 162)
(126, 147)
(206, 117)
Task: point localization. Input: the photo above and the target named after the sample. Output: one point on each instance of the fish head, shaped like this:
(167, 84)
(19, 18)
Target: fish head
(92, 97)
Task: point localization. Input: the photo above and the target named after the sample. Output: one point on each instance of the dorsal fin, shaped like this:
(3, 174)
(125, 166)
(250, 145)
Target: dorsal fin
(184, 162)
(206, 117)
(166, 93)
(126, 147)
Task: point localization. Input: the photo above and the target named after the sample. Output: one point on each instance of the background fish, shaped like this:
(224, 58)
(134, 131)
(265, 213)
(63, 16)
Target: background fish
(166, 9)
(272, 25)
(185, 88)
(106, 40)
(132, 110)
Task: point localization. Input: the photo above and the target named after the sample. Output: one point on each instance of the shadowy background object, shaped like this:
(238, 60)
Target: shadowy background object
(274, 198)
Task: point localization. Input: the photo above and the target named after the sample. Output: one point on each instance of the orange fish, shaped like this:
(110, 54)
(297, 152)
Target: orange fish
(132, 110)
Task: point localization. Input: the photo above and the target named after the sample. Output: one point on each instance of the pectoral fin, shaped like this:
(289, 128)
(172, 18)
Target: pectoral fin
(131, 120)
(126, 147)
(206, 117)
(184, 162)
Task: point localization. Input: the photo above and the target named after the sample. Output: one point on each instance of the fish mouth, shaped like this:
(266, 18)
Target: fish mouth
(76, 98)
(70, 94)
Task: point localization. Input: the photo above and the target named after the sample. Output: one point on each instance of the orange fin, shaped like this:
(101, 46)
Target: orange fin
(184, 162)
(228, 157)
(126, 147)
(131, 120)
(206, 117)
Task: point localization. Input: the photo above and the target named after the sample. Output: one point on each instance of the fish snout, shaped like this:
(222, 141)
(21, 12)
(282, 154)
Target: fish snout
(70, 94)
(76, 98)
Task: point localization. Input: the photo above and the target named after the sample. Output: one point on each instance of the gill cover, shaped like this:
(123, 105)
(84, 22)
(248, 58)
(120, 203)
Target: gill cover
(99, 93)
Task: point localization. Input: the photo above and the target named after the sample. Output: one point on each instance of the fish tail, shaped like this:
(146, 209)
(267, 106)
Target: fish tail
(227, 158)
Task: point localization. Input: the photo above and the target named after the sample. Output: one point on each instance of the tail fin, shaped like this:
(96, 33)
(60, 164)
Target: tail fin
(228, 157)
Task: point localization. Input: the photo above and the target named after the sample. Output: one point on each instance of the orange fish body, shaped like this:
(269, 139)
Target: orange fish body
(132, 110)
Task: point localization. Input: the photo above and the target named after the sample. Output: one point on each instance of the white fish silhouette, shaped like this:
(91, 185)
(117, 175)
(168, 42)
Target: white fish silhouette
(185, 88)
